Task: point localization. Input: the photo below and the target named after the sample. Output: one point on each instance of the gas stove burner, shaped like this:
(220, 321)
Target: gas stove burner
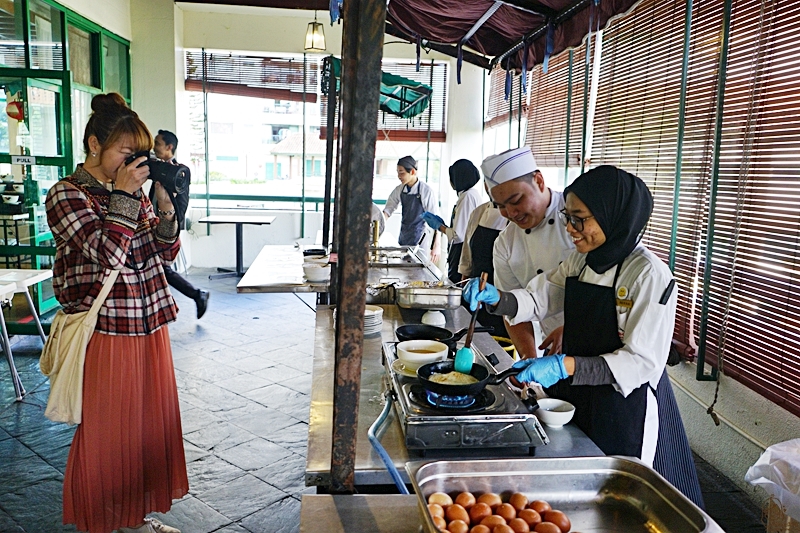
(466, 403)
(450, 402)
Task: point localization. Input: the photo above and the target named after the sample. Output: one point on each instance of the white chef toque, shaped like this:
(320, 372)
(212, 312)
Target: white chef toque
(508, 165)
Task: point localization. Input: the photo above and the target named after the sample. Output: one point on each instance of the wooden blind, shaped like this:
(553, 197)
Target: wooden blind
(498, 108)
(548, 123)
(254, 76)
(392, 128)
(755, 252)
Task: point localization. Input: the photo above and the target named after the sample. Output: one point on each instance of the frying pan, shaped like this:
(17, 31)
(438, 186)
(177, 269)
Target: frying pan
(479, 372)
(410, 332)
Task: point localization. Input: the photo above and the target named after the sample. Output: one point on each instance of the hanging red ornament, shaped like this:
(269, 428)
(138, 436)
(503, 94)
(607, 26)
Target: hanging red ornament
(15, 110)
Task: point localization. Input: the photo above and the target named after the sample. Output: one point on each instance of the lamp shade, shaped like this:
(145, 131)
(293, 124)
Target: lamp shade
(315, 37)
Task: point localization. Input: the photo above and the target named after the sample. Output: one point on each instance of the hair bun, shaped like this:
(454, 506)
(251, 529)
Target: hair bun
(109, 103)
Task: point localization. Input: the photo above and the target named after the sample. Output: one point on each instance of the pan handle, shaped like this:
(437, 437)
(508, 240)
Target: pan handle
(502, 376)
(478, 329)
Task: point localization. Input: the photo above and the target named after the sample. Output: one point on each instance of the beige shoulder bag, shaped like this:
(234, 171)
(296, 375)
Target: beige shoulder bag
(63, 356)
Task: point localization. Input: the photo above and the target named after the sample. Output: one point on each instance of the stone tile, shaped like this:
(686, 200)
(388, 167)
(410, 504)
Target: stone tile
(247, 408)
(7, 524)
(265, 423)
(191, 515)
(4, 435)
(209, 472)
(279, 373)
(287, 474)
(49, 438)
(214, 399)
(283, 399)
(293, 438)
(300, 383)
(193, 453)
(281, 517)
(44, 499)
(21, 417)
(243, 383)
(254, 454)
(194, 419)
(233, 528)
(251, 363)
(219, 436)
(207, 369)
(301, 361)
(241, 497)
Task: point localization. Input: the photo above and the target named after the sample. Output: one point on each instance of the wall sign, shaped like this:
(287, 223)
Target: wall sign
(23, 160)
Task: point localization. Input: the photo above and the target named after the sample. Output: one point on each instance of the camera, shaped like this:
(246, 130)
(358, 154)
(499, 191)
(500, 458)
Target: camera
(174, 178)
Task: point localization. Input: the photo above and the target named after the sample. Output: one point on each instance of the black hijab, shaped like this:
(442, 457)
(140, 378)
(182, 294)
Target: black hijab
(621, 203)
(407, 163)
(463, 175)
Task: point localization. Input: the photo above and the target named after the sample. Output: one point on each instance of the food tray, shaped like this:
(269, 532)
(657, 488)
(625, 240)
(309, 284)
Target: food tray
(428, 297)
(599, 494)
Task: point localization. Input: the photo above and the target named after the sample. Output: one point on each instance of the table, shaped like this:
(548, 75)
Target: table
(239, 221)
(7, 290)
(23, 278)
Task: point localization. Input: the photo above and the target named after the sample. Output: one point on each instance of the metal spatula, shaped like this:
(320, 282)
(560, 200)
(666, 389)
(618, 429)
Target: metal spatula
(465, 357)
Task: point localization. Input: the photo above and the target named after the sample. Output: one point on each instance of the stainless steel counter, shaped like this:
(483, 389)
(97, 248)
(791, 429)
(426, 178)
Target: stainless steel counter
(369, 469)
(393, 513)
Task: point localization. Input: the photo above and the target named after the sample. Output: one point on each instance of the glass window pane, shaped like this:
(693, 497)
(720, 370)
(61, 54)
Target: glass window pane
(4, 144)
(115, 69)
(12, 131)
(12, 44)
(81, 109)
(43, 122)
(80, 55)
(46, 35)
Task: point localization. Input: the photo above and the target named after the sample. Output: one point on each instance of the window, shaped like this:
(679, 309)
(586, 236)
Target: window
(12, 43)
(46, 35)
(80, 56)
(115, 66)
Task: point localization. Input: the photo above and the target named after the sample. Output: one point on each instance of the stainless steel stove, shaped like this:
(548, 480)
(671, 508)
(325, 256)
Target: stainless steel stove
(496, 418)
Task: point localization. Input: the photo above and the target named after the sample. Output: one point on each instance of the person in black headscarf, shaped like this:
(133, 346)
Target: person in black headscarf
(619, 302)
(464, 177)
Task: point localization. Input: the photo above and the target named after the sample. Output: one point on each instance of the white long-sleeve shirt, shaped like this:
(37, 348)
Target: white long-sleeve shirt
(467, 202)
(645, 328)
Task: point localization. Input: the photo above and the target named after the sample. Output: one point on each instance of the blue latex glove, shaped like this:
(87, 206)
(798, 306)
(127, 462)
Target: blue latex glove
(473, 295)
(432, 220)
(546, 371)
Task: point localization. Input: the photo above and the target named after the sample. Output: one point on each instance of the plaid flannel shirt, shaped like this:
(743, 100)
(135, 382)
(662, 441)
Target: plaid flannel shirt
(96, 230)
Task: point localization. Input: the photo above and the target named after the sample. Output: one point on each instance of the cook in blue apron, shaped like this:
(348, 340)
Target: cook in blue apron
(415, 197)
(619, 302)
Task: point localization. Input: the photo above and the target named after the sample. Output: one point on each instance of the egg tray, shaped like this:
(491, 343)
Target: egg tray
(597, 493)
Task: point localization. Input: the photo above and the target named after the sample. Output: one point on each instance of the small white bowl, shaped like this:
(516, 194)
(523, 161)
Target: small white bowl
(10, 199)
(316, 272)
(554, 413)
(18, 187)
(414, 354)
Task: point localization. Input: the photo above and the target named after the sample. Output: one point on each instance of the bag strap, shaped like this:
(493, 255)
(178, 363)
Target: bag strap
(101, 298)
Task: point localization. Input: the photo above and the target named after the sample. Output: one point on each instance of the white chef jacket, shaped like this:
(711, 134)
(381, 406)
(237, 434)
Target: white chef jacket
(488, 216)
(520, 255)
(429, 203)
(645, 328)
(467, 202)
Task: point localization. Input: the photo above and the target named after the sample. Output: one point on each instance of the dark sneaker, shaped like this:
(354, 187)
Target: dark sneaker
(202, 302)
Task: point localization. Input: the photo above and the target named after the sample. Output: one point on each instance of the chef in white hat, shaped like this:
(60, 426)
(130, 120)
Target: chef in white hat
(533, 243)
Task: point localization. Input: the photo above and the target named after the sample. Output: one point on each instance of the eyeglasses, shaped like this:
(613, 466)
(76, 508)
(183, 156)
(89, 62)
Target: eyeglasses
(577, 222)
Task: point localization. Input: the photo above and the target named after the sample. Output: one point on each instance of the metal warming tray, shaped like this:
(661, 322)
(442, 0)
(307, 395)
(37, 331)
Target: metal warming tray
(445, 297)
(598, 494)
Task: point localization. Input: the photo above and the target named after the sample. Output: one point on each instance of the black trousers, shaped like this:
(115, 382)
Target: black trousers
(181, 284)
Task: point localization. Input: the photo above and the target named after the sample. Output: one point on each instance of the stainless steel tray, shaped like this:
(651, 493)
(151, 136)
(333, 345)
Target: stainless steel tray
(599, 494)
(428, 297)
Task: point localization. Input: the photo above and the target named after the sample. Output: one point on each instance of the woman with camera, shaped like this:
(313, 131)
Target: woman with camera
(127, 458)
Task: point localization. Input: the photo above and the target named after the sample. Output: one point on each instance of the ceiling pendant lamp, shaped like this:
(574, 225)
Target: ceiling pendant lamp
(315, 36)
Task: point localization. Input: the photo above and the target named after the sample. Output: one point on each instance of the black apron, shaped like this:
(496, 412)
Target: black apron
(453, 258)
(481, 244)
(412, 226)
(616, 423)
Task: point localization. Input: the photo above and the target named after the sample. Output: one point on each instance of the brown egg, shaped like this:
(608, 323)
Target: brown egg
(441, 498)
(480, 529)
(502, 528)
(439, 522)
(530, 516)
(456, 512)
(493, 520)
(547, 527)
(519, 501)
(559, 519)
(479, 511)
(540, 506)
(507, 511)
(519, 525)
(435, 509)
(465, 500)
(491, 499)
(458, 526)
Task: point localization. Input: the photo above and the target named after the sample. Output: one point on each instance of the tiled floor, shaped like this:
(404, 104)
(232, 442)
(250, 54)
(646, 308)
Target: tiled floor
(244, 375)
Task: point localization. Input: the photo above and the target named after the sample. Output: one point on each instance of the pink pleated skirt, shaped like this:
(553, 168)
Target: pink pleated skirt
(126, 459)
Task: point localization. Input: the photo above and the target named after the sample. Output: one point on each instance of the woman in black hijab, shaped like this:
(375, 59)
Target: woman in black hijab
(618, 301)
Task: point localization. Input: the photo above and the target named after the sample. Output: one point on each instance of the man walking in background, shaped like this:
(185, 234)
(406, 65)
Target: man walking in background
(166, 144)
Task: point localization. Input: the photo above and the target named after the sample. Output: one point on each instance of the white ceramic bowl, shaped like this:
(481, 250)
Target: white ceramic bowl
(18, 187)
(316, 272)
(10, 199)
(554, 413)
(414, 354)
